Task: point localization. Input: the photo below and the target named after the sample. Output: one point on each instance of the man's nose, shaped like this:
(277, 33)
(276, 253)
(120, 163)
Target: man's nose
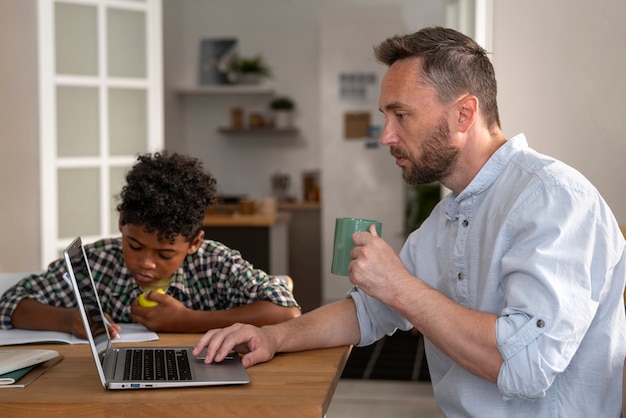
(388, 135)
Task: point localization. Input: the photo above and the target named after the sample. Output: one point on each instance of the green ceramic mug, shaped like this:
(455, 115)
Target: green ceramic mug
(343, 244)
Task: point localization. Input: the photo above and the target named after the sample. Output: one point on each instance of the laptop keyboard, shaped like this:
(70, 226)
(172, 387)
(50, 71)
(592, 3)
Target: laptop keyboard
(157, 364)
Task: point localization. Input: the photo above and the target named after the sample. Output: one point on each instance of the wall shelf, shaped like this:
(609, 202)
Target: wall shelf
(261, 89)
(228, 89)
(258, 131)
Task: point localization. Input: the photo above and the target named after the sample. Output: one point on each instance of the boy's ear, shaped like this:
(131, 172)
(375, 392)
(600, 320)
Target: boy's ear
(119, 222)
(195, 243)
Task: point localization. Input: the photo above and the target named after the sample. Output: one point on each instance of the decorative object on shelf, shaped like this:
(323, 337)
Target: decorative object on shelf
(256, 120)
(249, 70)
(216, 57)
(283, 107)
(227, 90)
(246, 207)
(259, 132)
(311, 185)
(280, 186)
(236, 118)
(267, 206)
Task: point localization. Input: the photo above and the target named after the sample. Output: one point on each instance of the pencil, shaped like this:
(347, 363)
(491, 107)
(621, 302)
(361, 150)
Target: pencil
(109, 324)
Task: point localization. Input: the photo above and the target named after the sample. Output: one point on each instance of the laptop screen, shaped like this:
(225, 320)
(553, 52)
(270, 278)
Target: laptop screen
(169, 359)
(76, 259)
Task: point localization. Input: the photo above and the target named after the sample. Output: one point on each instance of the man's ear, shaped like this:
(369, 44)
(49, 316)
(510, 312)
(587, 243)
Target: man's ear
(468, 111)
(195, 243)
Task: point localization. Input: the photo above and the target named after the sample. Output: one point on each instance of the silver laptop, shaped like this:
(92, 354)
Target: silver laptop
(140, 367)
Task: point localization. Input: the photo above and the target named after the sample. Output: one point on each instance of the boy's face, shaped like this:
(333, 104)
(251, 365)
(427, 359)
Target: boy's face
(150, 259)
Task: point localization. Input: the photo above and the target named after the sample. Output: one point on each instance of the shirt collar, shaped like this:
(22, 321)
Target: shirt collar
(487, 174)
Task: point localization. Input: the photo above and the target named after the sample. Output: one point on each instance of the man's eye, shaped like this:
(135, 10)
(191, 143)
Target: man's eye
(400, 115)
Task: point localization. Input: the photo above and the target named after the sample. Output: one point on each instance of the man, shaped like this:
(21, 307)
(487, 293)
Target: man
(515, 279)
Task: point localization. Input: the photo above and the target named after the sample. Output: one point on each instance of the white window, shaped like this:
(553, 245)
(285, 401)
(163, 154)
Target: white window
(101, 104)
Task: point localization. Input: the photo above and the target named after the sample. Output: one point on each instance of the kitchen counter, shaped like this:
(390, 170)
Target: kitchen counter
(300, 205)
(263, 240)
(235, 219)
(287, 243)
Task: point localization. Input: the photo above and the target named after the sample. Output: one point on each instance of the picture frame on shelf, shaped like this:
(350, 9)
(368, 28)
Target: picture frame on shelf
(216, 57)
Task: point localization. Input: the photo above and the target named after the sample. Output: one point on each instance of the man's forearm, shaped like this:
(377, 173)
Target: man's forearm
(330, 325)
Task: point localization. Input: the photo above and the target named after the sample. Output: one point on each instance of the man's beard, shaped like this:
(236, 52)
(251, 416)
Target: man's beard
(437, 161)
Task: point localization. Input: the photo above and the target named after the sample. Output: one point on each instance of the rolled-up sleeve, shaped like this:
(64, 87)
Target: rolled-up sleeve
(535, 349)
(523, 372)
(552, 289)
(375, 318)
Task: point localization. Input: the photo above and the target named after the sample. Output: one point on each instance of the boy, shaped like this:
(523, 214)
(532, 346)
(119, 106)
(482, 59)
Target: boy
(207, 285)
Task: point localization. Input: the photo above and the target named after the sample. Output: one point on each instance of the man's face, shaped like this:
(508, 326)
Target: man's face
(416, 126)
(150, 259)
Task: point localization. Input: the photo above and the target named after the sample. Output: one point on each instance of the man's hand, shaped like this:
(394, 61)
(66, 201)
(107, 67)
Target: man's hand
(375, 267)
(256, 344)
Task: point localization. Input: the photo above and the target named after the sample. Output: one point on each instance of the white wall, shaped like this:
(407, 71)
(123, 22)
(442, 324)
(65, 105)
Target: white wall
(19, 152)
(285, 33)
(356, 181)
(307, 44)
(561, 68)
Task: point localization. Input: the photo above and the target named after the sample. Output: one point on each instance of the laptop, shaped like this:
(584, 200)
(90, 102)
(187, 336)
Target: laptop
(140, 367)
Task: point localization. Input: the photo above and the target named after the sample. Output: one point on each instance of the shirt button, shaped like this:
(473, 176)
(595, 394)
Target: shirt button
(461, 276)
(465, 223)
(541, 323)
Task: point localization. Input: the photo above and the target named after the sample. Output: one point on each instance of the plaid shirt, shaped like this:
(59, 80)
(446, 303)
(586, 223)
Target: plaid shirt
(214, 278)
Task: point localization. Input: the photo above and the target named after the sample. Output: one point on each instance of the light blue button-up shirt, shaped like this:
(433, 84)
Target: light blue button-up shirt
(531, 240)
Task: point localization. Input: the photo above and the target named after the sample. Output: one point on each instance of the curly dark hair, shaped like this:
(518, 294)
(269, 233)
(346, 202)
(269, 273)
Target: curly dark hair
(168, 193)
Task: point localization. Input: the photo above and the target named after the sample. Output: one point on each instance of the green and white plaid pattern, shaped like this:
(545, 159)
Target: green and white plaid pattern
(214, 278)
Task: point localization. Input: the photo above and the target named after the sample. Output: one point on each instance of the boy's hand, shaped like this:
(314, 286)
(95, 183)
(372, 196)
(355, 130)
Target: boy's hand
(77, 328)
(167, 316)
(113, 328)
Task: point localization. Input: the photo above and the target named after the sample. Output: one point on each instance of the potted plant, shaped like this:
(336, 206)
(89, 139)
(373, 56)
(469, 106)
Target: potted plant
(283, 107)
(250, 70)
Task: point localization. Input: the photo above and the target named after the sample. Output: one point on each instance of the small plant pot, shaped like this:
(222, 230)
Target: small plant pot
(283, 119)
(249, 78)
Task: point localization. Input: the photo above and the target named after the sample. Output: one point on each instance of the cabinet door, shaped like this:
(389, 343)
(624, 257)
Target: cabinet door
(100, 105)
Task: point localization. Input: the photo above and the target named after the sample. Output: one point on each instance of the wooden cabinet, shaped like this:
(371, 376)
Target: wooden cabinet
(305, 252)
(288, 244)
(262, 240)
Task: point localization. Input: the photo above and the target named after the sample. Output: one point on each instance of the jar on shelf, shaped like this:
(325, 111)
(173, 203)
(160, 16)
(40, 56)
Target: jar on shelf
(236, 118)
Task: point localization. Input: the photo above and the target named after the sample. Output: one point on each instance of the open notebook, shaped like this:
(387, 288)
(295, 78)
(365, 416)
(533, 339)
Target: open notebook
(122, 367)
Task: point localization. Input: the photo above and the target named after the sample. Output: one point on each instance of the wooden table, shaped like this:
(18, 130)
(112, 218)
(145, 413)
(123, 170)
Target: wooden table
(290, 385)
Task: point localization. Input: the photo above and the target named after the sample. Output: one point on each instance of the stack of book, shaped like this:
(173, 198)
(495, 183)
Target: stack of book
(20, 367)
